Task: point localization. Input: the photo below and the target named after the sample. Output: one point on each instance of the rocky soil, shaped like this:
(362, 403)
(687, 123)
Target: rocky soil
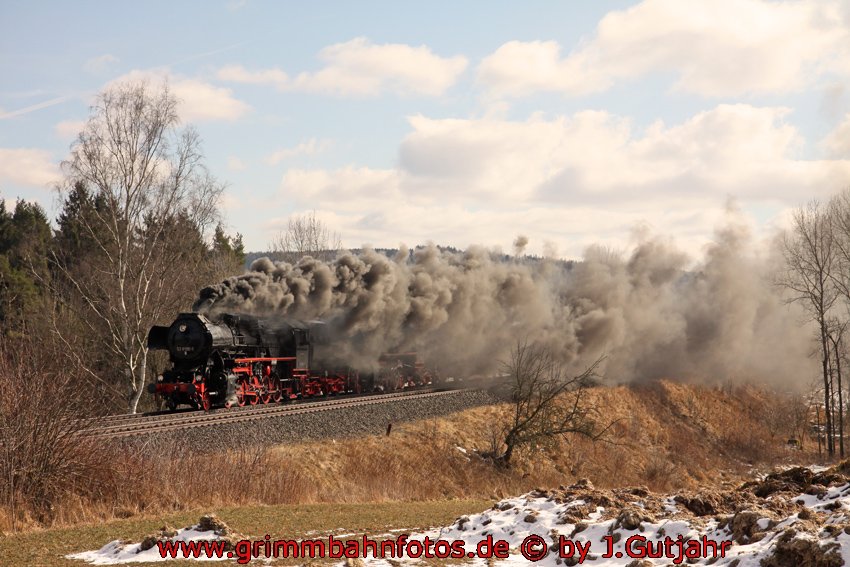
(795, 517)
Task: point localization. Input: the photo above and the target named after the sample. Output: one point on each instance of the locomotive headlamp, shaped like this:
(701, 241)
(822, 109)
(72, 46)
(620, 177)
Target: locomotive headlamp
(182, 328)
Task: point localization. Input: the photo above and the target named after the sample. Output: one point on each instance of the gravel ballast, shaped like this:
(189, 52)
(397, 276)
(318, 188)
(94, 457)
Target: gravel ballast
(336, 423)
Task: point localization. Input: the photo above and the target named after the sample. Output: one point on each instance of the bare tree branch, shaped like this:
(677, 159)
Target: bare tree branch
(547, 400)
(812, 254)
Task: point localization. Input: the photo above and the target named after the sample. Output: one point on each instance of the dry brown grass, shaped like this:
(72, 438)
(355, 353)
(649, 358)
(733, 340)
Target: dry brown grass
(663, 435)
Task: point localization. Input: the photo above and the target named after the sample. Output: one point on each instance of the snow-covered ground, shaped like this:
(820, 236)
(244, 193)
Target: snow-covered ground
(117, 552)
(209, 528)
(797, 516)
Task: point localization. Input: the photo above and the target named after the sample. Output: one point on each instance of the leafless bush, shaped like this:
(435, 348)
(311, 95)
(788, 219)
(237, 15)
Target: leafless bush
(787, 417)
(547, 401)
(746, 444)
(658, 472)
(43, 459)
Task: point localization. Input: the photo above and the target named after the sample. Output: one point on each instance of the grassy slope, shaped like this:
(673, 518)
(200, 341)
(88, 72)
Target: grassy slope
(665, 436)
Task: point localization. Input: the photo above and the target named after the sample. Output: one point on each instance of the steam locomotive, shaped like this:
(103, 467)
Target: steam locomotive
(242, 360)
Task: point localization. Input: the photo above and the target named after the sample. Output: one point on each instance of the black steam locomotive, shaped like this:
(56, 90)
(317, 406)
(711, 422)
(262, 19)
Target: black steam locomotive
(245, 360)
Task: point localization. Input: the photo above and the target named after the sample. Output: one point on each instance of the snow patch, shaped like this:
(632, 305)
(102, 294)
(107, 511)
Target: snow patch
(796, 516)
(118, 551)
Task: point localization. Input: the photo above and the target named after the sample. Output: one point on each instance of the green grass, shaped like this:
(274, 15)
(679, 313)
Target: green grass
(48, 548)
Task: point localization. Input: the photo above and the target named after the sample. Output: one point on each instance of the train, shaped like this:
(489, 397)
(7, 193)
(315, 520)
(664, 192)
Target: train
(238, 359)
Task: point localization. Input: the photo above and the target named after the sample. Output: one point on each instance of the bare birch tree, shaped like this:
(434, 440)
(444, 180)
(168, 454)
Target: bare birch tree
(306, 235)
(155, 198)
(811, 255)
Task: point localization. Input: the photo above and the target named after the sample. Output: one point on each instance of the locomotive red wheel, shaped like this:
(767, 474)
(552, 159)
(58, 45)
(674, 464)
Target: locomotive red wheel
(255, 390)
(277, 395)
(241, 392)
(202, 398)
(266, 390)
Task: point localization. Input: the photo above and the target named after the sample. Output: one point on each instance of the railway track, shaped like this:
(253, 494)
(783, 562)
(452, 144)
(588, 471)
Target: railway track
(112, 427)
(131, 417)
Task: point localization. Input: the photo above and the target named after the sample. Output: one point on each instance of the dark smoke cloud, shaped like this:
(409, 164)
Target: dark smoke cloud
(520, 243)
(651, 313)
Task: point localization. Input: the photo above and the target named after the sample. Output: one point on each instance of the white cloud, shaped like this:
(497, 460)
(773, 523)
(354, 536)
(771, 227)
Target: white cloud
(235, 164)
(837, 143)
(739, 149)
(308, 148)
(199, 100)
(362, 68)
(238, 74)
(519, 68)
(203, 101)
(100, 64)
(572, 180)
(358, 184)
(27, 166)
(69, 129)
(718, 48)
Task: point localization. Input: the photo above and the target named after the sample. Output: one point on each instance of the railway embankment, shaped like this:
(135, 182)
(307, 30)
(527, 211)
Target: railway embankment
(310, 420)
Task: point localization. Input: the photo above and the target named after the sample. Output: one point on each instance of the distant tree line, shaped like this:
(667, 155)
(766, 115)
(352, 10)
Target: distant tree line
(139, 232)
(280, 251)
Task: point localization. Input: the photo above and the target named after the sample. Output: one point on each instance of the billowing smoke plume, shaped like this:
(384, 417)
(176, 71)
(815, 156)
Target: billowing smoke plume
(519, 245)
(651, 313)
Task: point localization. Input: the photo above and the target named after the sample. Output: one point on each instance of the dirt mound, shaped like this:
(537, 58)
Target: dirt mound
(632, 518)
(799, 480)
(165, 532)
(207, 523)
(212, 523)
(795, 549)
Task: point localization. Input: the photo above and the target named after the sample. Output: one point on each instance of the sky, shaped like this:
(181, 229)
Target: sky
(462, 123)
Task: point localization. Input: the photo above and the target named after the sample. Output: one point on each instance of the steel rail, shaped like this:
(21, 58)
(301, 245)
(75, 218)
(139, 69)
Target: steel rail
(189, 420)
(120, 419)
